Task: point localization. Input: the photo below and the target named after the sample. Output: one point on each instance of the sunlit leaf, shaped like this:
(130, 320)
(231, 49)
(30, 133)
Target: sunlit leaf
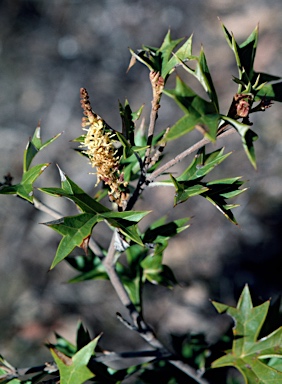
(25, 188)
(162, 59)
(76, 232)
(250, 355)
(34, 146)
(183, 53)
(74, 370)
(203, 164)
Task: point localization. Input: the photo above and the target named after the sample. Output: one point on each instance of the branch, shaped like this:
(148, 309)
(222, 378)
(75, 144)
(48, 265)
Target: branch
(145, 182)
(106, 357)
(184, 154)
(157, 83)
(139, 324)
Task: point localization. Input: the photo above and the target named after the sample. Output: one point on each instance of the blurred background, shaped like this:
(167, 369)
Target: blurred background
(48, 50)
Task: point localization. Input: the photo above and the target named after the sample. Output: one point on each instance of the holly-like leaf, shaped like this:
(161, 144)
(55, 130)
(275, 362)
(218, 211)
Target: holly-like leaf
(250, 355)
(203, 164)
(184, 53)
(34, 146)
(128, 118)
(162, 59)
(197, 112)
(73, 192)
(76, 232)
(121, 220)
(190, 183)
(257, 83)
(271, 91)
(245, 52)
(220, 190)
(74, 370)
(202, 74)
(163, 231)
(247, 136)
(186, 189)
(25, 188)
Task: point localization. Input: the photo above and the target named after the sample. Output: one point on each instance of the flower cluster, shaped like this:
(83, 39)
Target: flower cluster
(102, 153)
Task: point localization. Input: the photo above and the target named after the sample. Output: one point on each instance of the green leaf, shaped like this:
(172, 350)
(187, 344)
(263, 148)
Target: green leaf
(64, 346)
(197, 112)
(183, 126)
(247, 136)
(128, 125)
(129, 231)
(128, 149)
(73, 192)
(89, 266)
(271, 92)
(163, 231)
(190, 183)
(134, 216)
(156, 272)
(250, 355)
(7, 371)
(203, 164)
(25, 188)
(133, 288)
(162, 59)
(244, 53)
(250, 80)
(120, 220)
(74, 370)
(220, 190)
(137, 114)
(76, 232)
(183, 53)
(185, 190)
(202, 74)
(34, 146)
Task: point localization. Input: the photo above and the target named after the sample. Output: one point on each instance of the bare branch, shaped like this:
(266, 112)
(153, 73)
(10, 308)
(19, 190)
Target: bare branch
(184, 154)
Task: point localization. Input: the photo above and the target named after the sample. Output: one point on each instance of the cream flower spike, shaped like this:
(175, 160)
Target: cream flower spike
(102, 153)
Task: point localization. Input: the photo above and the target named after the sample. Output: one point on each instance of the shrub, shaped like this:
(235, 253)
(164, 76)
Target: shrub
(126, 163)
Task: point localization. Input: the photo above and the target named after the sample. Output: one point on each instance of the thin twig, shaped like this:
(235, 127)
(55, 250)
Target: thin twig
(189, 371)
(110, 356)
(184, 154)
(138, 321)
(157, 83)
(44, 208)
